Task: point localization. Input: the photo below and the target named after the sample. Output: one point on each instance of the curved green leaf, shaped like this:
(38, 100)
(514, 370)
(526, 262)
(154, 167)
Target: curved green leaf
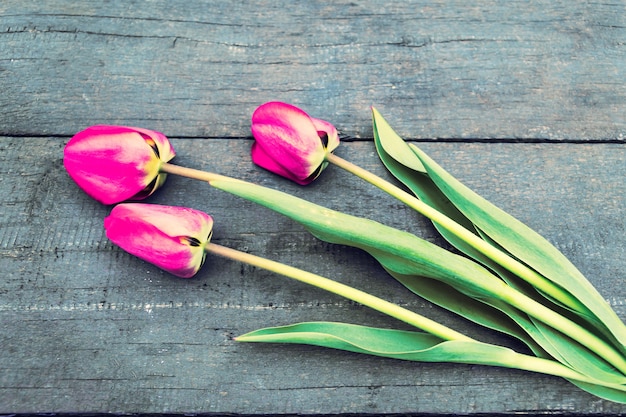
(422, 347)
(393, 150)
(399, 252)
(544, 341)
(438, 188)
(346, 336)
(448, 297)
(526, 245)
(396, 250)
(400, 160)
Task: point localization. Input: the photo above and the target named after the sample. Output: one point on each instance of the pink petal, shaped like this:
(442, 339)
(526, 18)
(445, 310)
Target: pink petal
(289, 125)
(298, 164)
(331, 132)
(138, 229)
(150, 244)
(166, 150)
(287, 136)
(171, 220)
(262, 159)
(110, 163)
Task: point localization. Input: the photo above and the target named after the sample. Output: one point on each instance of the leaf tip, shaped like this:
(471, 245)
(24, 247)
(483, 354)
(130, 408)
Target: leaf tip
(240, 338)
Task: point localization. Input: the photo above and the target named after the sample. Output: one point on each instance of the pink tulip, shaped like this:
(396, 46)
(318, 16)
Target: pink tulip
(290, 143)
(117, 163)
(172, 238)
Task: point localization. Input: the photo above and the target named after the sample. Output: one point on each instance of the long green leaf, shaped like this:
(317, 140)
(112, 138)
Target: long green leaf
(449, 298)
(438, 188)
(406, 167)
(400, 160)
(398, 251)
(525, 244)
(422, 347)
(541, 339)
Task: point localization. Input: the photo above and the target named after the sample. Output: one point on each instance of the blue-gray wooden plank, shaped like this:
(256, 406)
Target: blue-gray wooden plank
(443, 69)
(85, 327)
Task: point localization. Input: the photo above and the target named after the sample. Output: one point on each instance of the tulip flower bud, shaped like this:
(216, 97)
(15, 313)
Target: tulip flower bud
(117, 163)
(172, 238)
(290, 143)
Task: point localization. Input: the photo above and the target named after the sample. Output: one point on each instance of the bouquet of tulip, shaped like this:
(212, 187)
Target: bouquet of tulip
(506, 277)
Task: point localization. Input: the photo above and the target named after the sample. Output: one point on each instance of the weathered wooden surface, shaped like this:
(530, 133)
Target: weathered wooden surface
(443, 69)
(85, 327)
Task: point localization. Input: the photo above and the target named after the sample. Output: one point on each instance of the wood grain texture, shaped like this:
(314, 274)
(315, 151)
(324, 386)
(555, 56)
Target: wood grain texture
(440, 69)
(524, 101)
(85, 327)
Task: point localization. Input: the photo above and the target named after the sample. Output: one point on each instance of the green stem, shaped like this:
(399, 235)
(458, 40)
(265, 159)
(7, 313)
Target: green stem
(195, 174)
(361, 297)
(514, 297)
(515, 360)
(527, 274)
(564, 325)
(505, 292)
(551, 367)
